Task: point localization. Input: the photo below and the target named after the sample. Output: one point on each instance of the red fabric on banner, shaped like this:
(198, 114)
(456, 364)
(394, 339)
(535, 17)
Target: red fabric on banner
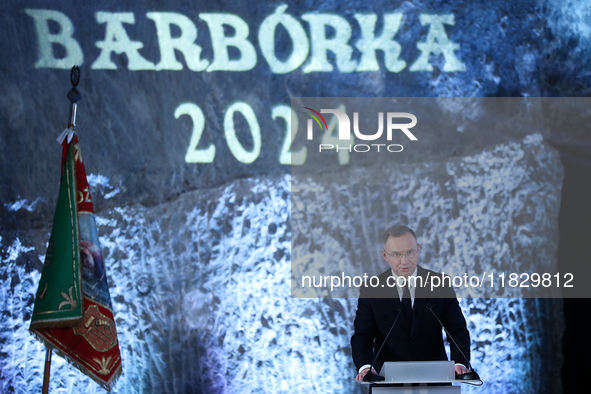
(92, 345)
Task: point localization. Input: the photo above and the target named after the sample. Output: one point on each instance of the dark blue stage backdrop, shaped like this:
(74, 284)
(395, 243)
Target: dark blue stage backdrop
(184, 124)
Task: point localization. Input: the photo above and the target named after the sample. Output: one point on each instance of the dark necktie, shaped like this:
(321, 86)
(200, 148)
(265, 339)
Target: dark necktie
(407, 305)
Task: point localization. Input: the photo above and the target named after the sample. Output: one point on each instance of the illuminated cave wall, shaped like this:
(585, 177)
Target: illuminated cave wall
(201, 289)
(200, 274)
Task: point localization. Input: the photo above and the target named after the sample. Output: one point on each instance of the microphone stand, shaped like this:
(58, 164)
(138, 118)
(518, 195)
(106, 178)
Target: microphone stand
(370, 377)
(471, 374)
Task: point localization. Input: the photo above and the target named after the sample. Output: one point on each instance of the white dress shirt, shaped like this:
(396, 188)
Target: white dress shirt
(411, 287)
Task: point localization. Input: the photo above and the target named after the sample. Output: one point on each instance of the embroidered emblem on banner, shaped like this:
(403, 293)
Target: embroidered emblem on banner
(98, 330)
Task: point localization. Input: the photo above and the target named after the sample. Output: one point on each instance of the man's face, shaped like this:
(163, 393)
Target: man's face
(395, 246)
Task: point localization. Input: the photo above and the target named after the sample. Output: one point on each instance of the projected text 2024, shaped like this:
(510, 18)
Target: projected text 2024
(331, 138)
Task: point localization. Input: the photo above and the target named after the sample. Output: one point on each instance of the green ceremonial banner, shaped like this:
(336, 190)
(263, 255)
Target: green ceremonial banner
(58, 300)
(79, 323)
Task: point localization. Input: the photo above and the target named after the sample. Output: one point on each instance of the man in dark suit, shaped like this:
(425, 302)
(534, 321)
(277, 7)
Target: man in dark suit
(417, 336)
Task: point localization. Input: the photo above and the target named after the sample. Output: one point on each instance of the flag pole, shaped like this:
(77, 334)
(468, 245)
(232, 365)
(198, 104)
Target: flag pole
(73, 96)
(47, 371)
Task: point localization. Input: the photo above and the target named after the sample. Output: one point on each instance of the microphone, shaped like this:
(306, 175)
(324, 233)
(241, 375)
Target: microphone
(370, 377)
(471, 374)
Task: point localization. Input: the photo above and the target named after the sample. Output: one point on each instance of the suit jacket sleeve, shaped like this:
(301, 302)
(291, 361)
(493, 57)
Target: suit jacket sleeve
(453, 319)
(362, 341)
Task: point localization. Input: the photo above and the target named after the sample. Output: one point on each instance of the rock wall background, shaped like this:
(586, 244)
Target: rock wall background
(489, 213)
(198, 255)
(201, 291)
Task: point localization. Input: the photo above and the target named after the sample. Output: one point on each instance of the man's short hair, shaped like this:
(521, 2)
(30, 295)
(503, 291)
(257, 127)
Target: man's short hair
(397, 231)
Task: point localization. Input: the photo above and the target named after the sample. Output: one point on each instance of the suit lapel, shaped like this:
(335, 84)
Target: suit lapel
(421, 295)
(394, 304)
